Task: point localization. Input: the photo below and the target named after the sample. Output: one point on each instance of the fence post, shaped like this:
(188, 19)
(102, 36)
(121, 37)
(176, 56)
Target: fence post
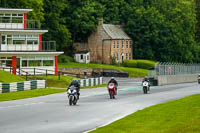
(34, 71)
(10, 69)
(46, 72)
(26, 76)
(59, 75)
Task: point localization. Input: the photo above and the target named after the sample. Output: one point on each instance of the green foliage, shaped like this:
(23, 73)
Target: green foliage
(176, 116)
(6, 77)
(145, 64)
(162, 30)
(65, 59)
(133, 72)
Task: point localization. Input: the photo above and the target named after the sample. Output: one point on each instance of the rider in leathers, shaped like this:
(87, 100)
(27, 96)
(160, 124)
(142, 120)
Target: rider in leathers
(112, 80)
(76, 84)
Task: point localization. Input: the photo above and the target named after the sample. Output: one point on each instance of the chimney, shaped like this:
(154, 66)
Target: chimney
(100, 21)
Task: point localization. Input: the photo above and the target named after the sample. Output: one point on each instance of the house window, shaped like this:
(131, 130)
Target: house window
(130, 56)
(11, 18)
(122, 43)
(114, 45)
(126, 55)
(117, 43)
(81, 57)
(117, 56)
(126, 43)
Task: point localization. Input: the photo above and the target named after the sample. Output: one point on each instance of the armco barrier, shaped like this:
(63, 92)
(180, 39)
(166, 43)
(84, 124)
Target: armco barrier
(21, 86)
(91, 81)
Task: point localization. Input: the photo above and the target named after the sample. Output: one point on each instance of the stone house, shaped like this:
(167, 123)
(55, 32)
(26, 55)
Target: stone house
(108, 43)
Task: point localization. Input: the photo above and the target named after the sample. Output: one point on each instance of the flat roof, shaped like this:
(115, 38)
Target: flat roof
(15, 10)
(22, 31)
(30, 53)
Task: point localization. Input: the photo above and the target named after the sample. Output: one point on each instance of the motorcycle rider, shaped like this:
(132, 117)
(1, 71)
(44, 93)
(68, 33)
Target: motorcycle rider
(147, 80)
(112, 80)
(76, 84)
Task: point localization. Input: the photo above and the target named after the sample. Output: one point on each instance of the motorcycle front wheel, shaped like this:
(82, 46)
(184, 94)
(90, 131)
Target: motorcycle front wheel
(70, 100)
(111, 95)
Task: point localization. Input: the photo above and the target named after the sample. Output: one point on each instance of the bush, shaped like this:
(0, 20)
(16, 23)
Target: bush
(65, 59)
(145, 64)
(130, 63)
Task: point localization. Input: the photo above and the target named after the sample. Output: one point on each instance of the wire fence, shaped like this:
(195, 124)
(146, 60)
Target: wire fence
(166, 68)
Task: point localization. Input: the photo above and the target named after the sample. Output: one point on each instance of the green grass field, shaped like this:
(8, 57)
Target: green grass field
(6, 77)
(28, 94)
(133, 72)
(179, 116)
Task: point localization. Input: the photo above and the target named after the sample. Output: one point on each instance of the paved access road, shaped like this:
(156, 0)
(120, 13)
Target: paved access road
(52, 113)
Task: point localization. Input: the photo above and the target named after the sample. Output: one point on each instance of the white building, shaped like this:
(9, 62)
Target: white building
(21, 44)
(82, 57)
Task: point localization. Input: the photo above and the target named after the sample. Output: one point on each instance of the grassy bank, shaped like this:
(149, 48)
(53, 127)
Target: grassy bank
(133, 72)
(52, 80)
(28, 94)
(179, 116)
(6, 77)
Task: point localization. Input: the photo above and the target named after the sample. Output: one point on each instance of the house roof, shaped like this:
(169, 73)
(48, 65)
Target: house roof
(15, 10)
(115, 31)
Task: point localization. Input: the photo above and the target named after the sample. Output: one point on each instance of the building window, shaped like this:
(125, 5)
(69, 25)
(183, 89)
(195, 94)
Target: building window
(11, 18)
(33, 63)
(117, 56)
(81, 57)
(126, 55)
(130, 56)
(117, 43)
(122, 43)
(48, 63)
(114, 44)
(126, 43)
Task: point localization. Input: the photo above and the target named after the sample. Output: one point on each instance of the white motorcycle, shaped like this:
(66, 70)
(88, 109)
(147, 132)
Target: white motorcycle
(72, 95)
(146, 87)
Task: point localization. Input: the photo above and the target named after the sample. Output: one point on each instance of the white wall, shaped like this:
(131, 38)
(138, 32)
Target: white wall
(12, 25)
(84, 60)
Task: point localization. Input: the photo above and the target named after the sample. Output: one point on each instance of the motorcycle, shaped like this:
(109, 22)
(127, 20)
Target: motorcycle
(72, 95)
(146, 88)
(198, 79)
(112, 90)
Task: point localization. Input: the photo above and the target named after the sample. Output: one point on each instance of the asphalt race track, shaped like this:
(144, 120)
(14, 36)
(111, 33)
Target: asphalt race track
(52, 113)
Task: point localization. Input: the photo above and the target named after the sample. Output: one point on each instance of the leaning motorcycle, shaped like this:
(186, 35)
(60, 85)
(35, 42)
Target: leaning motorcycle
(72, 95)
(146, 88)
(111, 90)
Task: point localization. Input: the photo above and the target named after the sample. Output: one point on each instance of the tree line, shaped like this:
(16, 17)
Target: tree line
(162, 30)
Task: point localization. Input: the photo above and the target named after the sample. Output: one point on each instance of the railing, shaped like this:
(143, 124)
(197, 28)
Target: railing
(174, 69)
(19, 24)
(43, 46)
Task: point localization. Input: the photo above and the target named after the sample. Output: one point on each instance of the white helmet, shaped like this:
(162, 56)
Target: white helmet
(112, 78)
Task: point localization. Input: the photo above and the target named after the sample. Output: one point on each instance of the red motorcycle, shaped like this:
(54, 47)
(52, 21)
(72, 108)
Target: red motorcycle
(111, 90)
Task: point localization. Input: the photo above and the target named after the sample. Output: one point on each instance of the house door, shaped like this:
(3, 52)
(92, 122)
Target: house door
(3, 43)
(122, 57)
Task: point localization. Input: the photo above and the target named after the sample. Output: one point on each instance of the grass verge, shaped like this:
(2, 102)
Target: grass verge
(179, 116)
(28, 94)
(6, 77)
(133, 72)
(52, 80)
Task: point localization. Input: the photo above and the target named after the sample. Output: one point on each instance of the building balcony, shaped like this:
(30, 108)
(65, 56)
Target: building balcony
(43, 46)
(19, 24)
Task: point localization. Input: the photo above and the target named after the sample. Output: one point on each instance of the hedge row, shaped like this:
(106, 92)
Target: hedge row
(145, 64)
